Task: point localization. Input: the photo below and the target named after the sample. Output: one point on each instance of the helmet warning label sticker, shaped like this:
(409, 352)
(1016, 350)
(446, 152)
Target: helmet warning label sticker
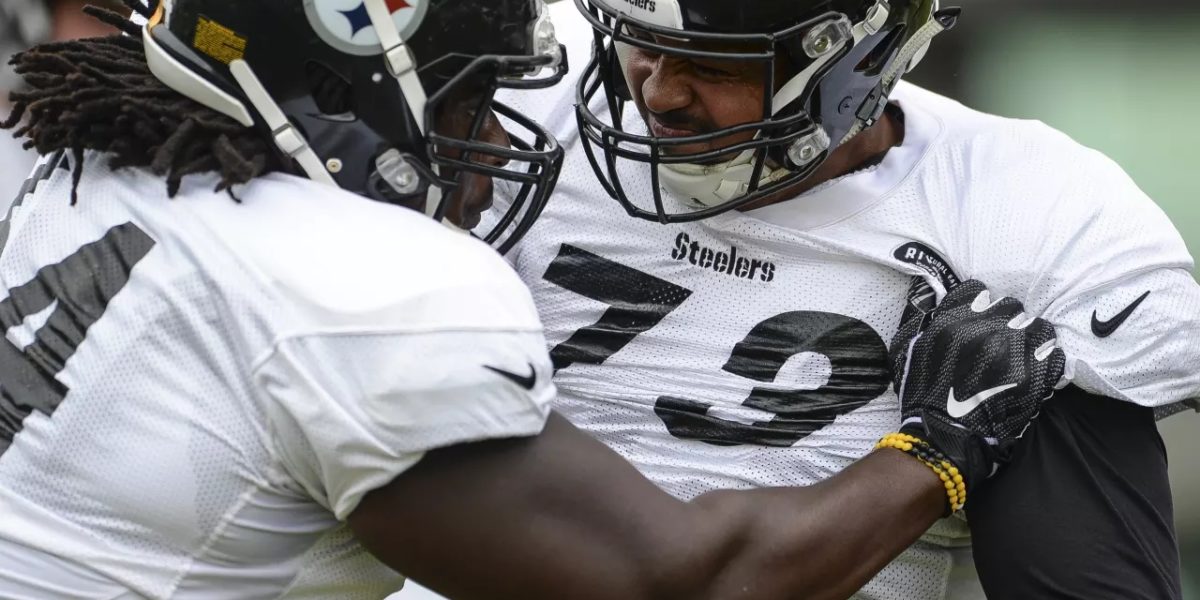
(218, 41)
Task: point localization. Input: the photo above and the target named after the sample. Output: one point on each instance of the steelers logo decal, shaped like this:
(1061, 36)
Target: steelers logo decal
(345, 24)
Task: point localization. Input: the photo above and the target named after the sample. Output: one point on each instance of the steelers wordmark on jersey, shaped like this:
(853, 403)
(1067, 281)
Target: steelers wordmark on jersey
(749, 349)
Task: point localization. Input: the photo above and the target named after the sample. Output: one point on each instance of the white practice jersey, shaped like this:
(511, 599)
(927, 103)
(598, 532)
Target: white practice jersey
(203, 390)
(750, 349)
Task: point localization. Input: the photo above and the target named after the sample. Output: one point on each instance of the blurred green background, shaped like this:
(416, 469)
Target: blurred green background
(1119, 76)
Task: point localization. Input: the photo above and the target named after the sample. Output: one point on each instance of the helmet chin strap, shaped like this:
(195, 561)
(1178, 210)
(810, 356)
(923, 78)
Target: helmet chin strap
(399, 59)
(286, 137)
(183, 80)
(402, 66)
(911, 54)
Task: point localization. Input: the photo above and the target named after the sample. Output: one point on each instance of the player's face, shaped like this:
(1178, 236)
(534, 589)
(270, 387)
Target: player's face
(683, 96)
(473, 196)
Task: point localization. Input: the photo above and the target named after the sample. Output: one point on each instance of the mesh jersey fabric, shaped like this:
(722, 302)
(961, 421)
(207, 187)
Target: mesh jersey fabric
(746, 350)
(263, 365)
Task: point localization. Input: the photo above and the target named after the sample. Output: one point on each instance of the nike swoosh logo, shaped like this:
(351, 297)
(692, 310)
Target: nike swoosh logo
(1103, 329)
(959, 410)
(525, 381)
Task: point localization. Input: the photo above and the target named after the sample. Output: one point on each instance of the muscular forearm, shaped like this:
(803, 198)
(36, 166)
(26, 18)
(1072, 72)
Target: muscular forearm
(821, 542)
(562, 516)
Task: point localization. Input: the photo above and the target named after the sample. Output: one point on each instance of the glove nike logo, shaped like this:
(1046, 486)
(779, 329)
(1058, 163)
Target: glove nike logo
(1103, 329)
(959, 410)
(526, 381)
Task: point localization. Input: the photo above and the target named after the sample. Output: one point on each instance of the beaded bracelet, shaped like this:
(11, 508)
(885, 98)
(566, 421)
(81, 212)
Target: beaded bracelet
(956, 488)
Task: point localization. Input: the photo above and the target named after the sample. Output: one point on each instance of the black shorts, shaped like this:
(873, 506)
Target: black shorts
(1083, 511)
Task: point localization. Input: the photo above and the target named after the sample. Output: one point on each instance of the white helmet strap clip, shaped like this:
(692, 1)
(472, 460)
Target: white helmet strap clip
(285, 135)
(399, 59)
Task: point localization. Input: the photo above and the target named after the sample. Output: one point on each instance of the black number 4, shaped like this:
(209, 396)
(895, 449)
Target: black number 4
(858, 359)
(71, 296)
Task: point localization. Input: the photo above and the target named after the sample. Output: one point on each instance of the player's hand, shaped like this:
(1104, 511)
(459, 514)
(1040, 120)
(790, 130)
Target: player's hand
(972, 373)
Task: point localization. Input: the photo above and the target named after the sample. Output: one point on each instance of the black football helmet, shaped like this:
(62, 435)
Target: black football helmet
(350, 89)
(842, 58)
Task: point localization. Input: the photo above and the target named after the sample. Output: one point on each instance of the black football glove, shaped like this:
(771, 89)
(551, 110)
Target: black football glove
(972, 373)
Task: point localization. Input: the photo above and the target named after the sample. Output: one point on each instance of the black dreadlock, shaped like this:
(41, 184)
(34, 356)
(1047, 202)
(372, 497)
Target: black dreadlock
(98, 94)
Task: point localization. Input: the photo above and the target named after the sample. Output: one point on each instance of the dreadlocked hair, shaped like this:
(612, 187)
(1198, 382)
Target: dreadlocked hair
(99, 94)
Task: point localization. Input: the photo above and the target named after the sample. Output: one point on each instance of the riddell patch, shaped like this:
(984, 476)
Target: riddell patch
(346, 25)
(218, 41)
(916, 253)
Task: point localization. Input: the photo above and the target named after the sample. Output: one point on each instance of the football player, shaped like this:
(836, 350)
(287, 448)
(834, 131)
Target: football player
(786, 187)
(237, 365)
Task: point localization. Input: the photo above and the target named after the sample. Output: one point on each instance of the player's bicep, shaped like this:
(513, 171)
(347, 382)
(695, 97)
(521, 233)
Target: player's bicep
(525, 518)
(1136, 338)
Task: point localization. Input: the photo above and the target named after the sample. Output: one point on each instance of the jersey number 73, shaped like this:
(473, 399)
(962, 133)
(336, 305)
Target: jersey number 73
(858, 357)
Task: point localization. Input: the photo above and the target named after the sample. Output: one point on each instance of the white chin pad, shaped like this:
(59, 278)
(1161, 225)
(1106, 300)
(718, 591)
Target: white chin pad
(705, 186)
